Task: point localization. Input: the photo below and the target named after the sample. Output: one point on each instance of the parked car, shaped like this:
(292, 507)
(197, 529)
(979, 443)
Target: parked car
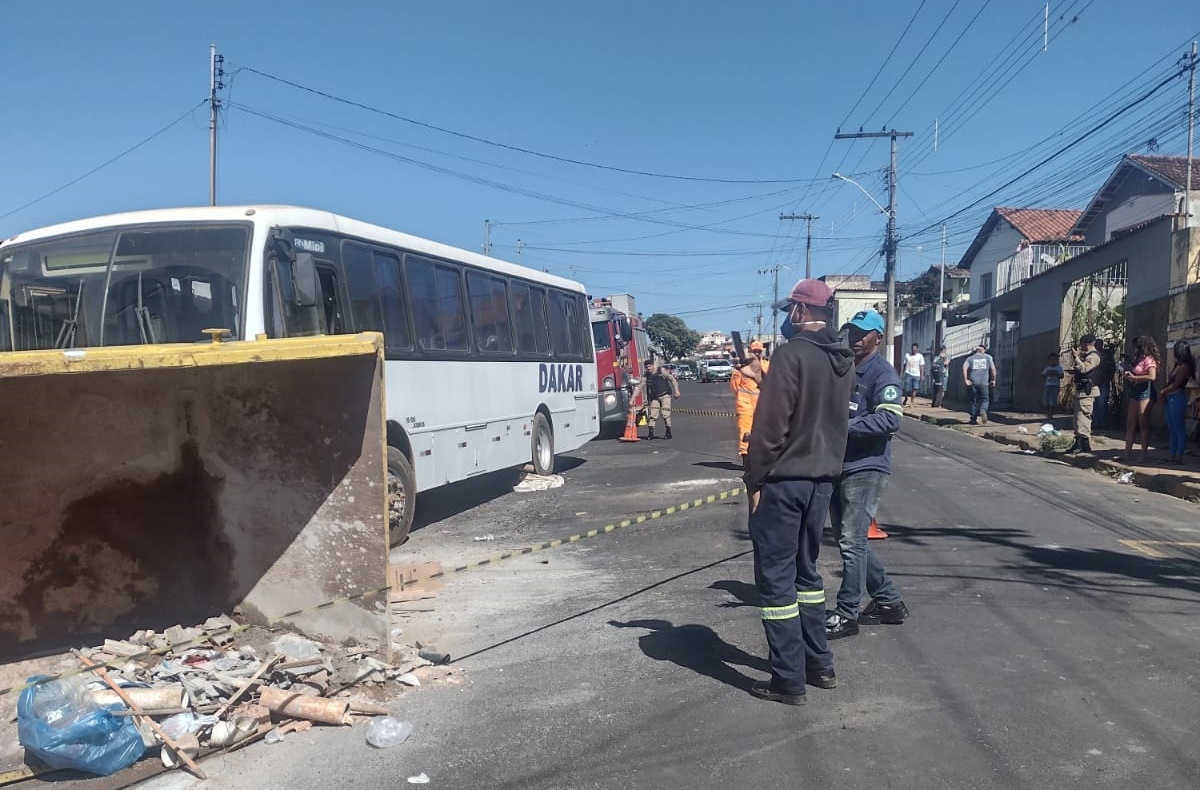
(716, 370)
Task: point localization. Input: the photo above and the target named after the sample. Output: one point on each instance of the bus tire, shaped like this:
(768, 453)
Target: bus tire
(542, 446)
(401, 496)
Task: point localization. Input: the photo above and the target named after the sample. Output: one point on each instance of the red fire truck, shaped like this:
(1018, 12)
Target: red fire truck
(622, 347)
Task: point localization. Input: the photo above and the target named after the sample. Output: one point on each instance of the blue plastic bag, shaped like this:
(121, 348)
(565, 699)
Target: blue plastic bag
(60, 725)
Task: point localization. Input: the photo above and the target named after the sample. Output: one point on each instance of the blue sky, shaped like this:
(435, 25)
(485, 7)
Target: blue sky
(741, 100)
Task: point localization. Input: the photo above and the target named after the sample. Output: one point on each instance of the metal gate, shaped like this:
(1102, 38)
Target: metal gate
(1005, 355)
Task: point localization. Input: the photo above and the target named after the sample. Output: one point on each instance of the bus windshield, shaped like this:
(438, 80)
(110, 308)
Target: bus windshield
(161, 283)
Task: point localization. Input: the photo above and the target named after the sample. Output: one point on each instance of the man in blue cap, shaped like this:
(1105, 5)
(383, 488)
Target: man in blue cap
(875, 414)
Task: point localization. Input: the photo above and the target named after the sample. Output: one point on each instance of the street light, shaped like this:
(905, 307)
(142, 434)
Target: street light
(889, 248)
(848, 179)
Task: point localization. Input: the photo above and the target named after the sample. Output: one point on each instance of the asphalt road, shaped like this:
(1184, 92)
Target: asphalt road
(1053, 643)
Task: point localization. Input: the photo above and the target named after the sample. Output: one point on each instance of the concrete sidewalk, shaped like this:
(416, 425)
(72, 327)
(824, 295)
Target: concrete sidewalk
(1021, 430)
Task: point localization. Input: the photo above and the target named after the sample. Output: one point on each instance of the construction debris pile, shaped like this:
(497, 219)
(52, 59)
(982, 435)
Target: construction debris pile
(189, 691)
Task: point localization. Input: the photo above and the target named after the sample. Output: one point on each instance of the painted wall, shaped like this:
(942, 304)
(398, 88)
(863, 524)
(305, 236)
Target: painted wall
(1028, 383)
(1136, 185)
(1001, 244)
(846, 303)
(1148, 253)
(1136, 210)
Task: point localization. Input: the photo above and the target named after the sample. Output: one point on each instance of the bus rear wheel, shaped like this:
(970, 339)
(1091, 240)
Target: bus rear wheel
(401, 496)
(542, 445)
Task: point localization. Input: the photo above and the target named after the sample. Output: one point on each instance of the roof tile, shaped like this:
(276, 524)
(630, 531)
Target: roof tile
(1172, 169)
(1042, 224)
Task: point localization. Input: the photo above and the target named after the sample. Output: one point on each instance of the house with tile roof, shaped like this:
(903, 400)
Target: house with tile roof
(1140, 267)
(1014, 244)
(1140, 189)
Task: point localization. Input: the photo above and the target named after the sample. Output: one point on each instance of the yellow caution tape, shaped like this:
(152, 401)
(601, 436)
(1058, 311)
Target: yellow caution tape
(492, 560)
(702, 413)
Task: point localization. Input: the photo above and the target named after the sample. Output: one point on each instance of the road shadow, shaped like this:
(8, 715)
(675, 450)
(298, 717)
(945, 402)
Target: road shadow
(439, 504)
(1064, 566)
(727, 466)
(746, 594)
(697, 648)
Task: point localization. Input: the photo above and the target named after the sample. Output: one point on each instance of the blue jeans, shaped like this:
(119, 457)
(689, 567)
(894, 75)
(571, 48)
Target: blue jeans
(855, 500)
(979, 400)
(1177, 422)
(1100, 411)
(911, 384)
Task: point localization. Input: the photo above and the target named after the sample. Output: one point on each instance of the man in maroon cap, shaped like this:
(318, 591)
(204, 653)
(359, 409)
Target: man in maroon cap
(797, 444)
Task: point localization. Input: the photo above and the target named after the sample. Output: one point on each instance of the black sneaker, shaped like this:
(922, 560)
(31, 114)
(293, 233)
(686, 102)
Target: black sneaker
(837, 627)
(764, 690)
(876, 613)
(822, 679)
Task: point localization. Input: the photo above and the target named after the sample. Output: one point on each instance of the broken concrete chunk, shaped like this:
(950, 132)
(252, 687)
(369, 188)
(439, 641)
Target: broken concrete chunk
(123, 649)
(221, 623)
(295, 648)
(434, 656)
(177, 635)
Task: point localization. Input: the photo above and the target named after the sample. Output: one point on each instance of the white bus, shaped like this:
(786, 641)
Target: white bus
(489, 365)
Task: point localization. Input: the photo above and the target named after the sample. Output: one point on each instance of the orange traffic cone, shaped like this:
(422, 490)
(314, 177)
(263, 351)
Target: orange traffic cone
(630, 434)
(874, 532)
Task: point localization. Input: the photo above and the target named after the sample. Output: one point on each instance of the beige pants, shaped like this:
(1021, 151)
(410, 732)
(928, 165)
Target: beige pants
(1083, 415)
(660, 407)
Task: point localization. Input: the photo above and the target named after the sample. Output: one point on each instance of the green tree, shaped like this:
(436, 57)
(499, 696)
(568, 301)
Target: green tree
(669, 333)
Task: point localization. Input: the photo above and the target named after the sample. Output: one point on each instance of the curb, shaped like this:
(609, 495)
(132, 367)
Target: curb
(1161, 482)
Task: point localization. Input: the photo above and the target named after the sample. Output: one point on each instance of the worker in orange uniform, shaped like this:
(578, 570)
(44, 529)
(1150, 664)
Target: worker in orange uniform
(745, 383)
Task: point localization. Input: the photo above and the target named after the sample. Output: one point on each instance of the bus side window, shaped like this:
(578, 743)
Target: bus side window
(437, 305)
(529, 315)
(565, 326)
(391, 295)
(489, 314)
(364, 291)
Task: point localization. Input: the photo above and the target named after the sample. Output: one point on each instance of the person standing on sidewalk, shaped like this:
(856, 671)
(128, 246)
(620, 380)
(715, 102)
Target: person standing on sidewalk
(875, 414)
(1176, 400)
(937, 376)
(661, 386)
(1085, 367)
(1139, 383)
(797, 444)
(914, 371)
(746, 383)
(1053, 373)
(979, 373)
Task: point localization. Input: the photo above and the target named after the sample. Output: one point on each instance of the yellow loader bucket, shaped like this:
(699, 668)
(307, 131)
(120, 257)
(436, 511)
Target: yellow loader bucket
(141, 487)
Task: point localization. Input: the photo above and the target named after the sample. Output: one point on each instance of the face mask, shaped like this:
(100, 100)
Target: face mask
(787, 328)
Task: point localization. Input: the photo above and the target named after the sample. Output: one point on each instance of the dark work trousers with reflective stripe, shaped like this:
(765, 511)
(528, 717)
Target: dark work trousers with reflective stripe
(786, 532)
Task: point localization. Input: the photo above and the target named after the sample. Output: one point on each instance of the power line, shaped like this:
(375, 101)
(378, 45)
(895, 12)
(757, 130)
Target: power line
(518, 149)
(1059, 152)
(883, 65)
(913, 62)
(106, 162)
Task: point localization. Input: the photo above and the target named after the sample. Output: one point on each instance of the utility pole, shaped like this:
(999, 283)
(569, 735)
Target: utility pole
(892, 242)
(937, 330)
(774, 270)
(808, 247)
(487, 237)
(216, 74)
(1187, 188)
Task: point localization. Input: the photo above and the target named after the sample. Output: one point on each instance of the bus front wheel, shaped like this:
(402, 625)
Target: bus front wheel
(401, 496)
(543, 446)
